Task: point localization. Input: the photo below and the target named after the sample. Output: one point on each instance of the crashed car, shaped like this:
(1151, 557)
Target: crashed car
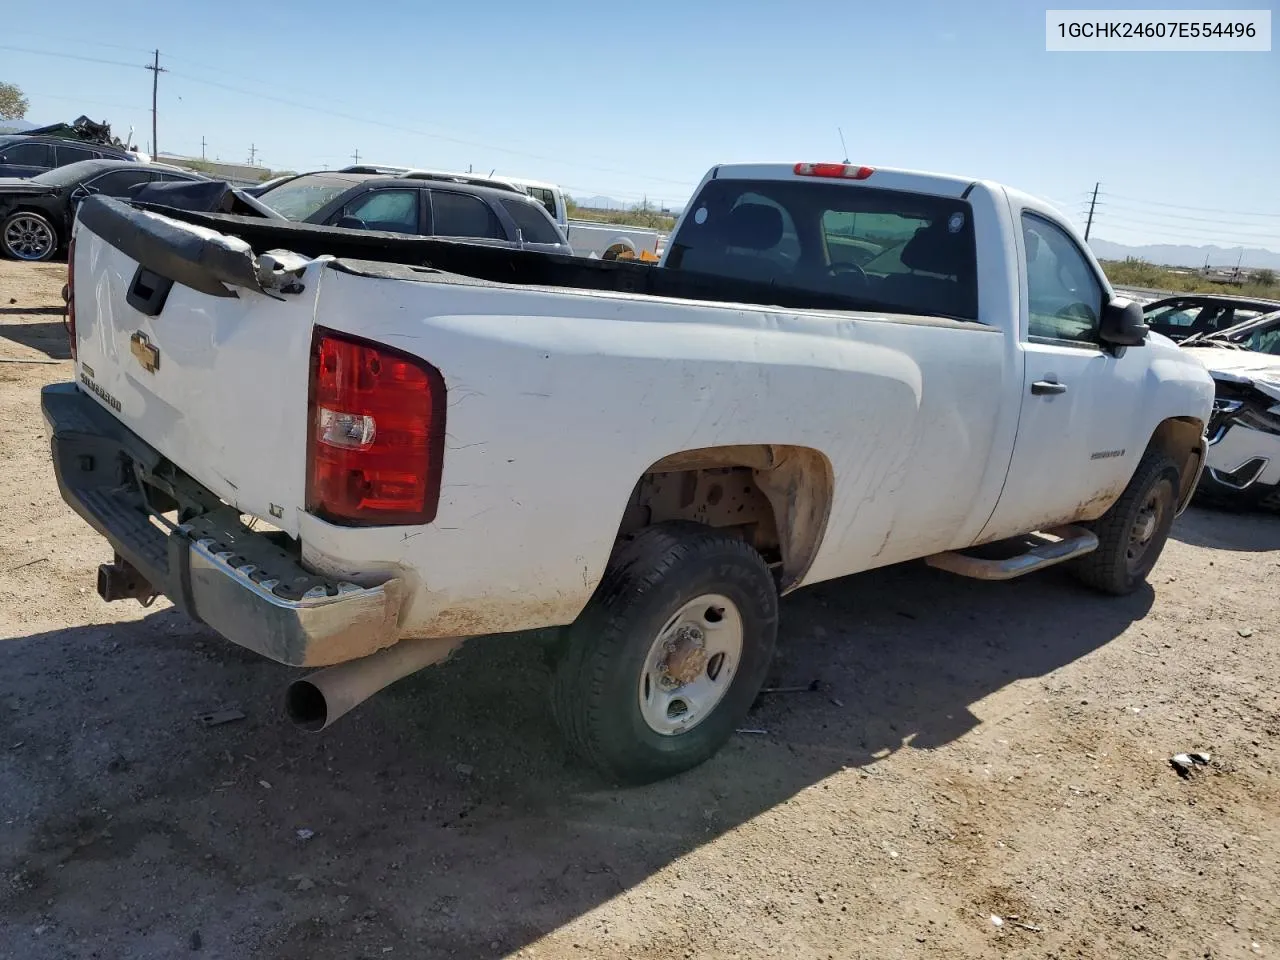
(1243, 463)
(1199, 314)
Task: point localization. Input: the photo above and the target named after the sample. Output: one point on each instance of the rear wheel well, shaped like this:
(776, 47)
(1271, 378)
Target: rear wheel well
(617, 249)
(1179, 438)
(776, 497)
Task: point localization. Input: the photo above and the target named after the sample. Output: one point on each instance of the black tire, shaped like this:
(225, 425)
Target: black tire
(17, 244)
(1112, 568)
(596, 689)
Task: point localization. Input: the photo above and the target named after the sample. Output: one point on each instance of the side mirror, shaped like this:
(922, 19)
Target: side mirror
(350, 223)
(1123, 324)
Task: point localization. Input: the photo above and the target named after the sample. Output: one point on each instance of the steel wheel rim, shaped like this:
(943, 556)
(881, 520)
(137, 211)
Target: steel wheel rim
(691, 664)
(1145, 526)
(28, 238)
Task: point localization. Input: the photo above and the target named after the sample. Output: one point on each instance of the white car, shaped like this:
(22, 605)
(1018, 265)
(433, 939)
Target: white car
(1243, 465)
(834, 368)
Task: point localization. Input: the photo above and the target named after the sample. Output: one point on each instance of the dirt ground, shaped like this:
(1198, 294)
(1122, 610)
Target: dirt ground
(973, 750)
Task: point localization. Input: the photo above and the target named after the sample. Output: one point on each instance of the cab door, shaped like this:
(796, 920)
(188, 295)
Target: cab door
(1074, 449)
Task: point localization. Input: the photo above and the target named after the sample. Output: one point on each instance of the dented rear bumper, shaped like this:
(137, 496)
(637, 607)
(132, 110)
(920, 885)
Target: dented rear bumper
(246, 585)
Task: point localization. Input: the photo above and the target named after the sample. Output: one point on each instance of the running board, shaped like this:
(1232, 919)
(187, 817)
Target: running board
(1035, 552)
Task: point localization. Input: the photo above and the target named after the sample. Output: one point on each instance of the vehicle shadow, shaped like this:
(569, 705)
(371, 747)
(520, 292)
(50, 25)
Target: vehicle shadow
(1245, 531)
(47, 336)
(447, 816)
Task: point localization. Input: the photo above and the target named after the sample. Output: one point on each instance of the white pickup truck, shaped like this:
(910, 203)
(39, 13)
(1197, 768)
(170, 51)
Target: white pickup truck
(344, 448)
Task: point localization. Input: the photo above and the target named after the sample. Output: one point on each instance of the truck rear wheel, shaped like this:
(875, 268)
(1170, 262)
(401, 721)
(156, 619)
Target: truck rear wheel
(1132, 534)
(666, 659)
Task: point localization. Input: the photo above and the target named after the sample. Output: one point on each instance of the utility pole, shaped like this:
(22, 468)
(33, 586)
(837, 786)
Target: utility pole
(356, 156)
(202, 148)
(253, 152)
(156, 70)
(1092, 203)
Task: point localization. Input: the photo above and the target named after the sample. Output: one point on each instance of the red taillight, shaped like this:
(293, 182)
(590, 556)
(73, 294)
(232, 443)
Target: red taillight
(842, 171)
(69, 320)
(375, 440)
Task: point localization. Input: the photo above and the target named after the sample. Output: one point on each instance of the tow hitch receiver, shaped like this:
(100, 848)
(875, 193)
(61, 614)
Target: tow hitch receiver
(122, 581)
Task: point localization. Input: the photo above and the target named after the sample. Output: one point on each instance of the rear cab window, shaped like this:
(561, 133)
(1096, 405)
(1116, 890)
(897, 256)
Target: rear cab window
(548, 200)
(886, 250)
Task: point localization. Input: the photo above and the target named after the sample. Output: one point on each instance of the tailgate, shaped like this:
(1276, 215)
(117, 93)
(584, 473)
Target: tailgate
(200, 349)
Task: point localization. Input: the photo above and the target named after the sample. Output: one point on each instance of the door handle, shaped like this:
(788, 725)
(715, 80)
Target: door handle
(1043, 387)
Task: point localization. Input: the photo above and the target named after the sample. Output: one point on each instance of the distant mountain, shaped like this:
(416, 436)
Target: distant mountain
(1184, 255)
(602, 203)
(16, 126)
(611, 203)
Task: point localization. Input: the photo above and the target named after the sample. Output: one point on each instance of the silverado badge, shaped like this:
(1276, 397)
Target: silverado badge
(145, 351)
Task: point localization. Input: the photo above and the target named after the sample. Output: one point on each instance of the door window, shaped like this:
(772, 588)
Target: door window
(1063, 292)
(28, 155)
(462, 215)
(68, 153)
(117, 182)
(393, 211)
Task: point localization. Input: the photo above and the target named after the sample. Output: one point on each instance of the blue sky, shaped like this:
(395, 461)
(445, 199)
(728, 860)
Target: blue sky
(631, 100)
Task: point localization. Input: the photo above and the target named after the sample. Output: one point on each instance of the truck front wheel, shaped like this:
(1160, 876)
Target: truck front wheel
(666, 659)
(1132, 534)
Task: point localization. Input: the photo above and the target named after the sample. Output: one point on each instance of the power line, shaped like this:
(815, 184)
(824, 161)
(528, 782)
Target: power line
(62, 38)
(98, 103)
(70, 56)
(1191, 235)
(1181, 216)
(257, 94)
(1181, 206)
(1244, 230)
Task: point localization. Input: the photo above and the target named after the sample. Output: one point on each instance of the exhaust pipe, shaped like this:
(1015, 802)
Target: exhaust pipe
(318, 699)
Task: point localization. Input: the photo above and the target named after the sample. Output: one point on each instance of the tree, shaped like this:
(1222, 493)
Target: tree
(13, 105)
(1265, 277)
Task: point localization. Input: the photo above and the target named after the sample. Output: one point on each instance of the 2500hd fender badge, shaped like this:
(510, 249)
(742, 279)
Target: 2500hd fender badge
(97, 391)
(145, 352)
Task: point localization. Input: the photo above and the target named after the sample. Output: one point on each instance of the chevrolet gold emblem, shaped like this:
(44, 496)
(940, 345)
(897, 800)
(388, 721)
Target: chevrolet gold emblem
(145, 352)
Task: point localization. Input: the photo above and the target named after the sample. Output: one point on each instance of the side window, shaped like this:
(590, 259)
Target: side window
(393, 211)
(28, 154)
(117, 182)
(67, 153)
(1236, 315)
(462, 215)
(533, 225)
(1064, 294)
(1181, 315)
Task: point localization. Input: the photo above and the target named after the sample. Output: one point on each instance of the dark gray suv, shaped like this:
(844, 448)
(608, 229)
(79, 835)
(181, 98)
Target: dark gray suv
(29, 156)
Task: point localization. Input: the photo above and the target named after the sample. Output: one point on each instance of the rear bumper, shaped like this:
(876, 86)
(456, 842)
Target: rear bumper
(245, 585)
